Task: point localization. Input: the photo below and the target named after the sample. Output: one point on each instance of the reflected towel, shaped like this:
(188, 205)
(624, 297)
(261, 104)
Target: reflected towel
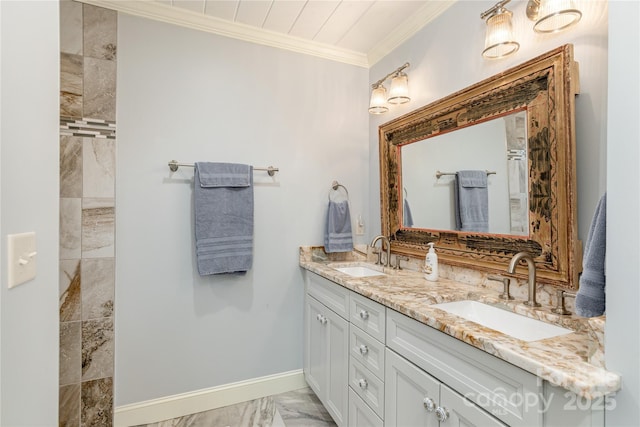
(338, 236)
(223, 206)
(471, 201)
(590, 299)
(407, 217)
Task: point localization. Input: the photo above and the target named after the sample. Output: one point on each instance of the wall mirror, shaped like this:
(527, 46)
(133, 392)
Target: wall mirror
(517, 127)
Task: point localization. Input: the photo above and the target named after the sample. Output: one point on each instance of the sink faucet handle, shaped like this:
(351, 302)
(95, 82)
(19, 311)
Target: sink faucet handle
(398, 259)
(560, 308)
(505, 283)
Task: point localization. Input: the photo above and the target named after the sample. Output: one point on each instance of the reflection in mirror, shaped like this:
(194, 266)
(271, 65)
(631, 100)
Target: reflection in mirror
(498, 145)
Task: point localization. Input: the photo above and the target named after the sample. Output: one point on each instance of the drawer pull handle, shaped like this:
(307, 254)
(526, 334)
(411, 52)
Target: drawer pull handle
(429, 404)
(363, 383)
(364, 314)
(442, 414)
(364, 350)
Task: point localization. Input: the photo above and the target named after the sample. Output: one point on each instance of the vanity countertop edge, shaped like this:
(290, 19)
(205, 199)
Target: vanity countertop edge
(562, 361)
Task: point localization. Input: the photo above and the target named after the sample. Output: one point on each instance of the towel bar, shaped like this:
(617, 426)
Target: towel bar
(174, 165)
(439, 174)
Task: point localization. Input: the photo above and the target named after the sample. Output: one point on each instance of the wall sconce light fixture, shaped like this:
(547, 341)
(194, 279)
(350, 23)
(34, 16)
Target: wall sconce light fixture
(550, 16)
(499, 41)
(398, 94)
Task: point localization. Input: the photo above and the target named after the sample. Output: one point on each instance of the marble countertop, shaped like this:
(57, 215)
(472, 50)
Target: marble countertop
(574, 361)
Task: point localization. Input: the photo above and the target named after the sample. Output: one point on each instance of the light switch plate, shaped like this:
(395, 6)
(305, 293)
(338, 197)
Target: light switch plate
(21, 251)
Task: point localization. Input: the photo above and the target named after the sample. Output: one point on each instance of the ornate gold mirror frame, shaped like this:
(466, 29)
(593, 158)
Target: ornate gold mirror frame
(545, 87)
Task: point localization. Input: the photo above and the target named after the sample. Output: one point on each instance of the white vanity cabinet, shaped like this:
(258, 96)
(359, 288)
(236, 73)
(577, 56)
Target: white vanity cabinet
(326, 345)
(415, 398)
(372, 366)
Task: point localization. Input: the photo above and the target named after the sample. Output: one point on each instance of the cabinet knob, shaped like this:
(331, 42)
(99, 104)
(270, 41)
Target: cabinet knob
(364, 314)
(364, 349)
(363, 383)
(321, 319)
(429, 404)
(442, 414)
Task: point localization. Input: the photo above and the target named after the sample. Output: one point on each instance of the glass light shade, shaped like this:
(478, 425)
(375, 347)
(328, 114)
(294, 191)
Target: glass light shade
(399, 92)
(499, 41)
(556, 15)
(378, 100)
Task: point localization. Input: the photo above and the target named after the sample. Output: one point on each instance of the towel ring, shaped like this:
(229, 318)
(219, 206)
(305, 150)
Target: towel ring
(334, 187)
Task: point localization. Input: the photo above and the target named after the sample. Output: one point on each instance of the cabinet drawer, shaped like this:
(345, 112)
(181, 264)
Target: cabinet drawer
(366, 385)
(367, 350)
(497, 386)
(360, 415)
(368, 315)
(329, 293)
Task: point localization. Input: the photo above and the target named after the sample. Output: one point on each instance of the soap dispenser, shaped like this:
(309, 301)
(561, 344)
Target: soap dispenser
(431, 264)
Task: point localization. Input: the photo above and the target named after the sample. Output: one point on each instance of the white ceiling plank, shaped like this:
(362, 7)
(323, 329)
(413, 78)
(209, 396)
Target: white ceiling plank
(381, 19)
(283, 14)
(345, 16)
(329, 29)
(312, 18)
(223, 9)
(192, 5)
(253, 12)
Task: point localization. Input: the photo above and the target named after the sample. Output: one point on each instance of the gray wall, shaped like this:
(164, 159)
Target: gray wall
(622, 334)
(446, 57)
(194, 96)
(29, 202)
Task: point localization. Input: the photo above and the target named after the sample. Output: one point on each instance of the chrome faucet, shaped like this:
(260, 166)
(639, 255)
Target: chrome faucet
(532, 275)
(384, 239)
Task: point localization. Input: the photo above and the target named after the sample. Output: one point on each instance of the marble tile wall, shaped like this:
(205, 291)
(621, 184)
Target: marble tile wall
(87, 213)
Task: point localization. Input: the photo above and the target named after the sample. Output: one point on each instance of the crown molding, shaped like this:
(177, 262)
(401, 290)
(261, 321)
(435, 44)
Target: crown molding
(408, 29)
(186, 18)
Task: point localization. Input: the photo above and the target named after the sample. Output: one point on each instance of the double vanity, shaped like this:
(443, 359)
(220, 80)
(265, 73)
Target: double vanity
(386, 347)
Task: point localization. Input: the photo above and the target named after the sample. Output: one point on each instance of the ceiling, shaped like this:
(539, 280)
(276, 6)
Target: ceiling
(358, 32)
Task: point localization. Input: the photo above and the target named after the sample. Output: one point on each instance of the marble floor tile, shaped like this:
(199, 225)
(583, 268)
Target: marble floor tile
(297, 408)
(302, 408)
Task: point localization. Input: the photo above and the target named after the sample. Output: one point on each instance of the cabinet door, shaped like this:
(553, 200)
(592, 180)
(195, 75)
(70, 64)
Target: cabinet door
(461, 412)
(337, 398)
(315, 346)
(360, 415)
(411, 395)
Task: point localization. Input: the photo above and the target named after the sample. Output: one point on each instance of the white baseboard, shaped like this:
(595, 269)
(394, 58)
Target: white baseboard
(165, 408)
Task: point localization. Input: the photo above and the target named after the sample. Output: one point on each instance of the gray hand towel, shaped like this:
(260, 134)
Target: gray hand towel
(590, 299)
(471, 201)
(338, 236)
(223, 205)
(407, 219)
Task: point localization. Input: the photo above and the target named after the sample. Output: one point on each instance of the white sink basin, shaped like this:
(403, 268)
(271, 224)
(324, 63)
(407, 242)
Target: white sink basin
(518, 326)
(359, 271)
